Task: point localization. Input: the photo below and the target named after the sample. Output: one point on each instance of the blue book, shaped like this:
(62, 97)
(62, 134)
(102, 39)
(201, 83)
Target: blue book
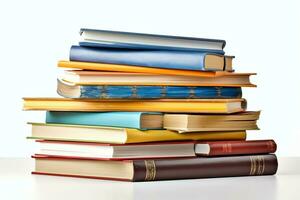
(146, 92)
(136, 120)
(129, 40)
(186, 60)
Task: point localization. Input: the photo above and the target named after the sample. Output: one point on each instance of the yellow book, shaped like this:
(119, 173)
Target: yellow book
(66, 132)
(146, 105)
(137, 69)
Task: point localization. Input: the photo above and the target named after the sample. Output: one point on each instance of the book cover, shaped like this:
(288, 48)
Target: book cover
(113, 119)
(69, 90)
(225, 148)
(129, 40)
(186, 60)
(143, 105)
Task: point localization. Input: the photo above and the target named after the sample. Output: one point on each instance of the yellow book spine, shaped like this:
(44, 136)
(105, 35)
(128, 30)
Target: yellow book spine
(209, 107)
(136, 136)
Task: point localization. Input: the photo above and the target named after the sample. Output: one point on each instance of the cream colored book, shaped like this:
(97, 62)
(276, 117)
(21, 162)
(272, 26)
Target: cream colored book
(210, 122)
(83, 77)
(112, 135)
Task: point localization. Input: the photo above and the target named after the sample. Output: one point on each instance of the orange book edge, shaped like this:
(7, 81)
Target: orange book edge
(129, 68)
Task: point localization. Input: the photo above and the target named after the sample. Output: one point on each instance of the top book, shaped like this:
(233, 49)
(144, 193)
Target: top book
(116, 39)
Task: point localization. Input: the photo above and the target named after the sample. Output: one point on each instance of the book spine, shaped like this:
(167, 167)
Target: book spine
(241, 147)
(157, 92)
(168, 169)
(143, 47)
(187, 60)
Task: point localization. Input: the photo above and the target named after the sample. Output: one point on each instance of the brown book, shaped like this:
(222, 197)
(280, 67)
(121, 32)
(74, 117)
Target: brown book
(222, 148)
(158, 169)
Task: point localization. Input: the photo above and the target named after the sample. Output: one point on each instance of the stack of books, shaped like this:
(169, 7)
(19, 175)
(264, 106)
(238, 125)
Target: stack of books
(142, 107)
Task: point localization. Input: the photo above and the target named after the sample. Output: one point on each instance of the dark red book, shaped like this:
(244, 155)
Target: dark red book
(225, 148)
(157, 169)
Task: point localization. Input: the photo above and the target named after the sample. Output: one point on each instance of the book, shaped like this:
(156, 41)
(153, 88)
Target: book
(186, 60)
(113, 135)
(158, 169)
(86, 77)
(143, 105)
(127, 40)
(225, 148)
(136, 120)
(211, 122)
(135, 69)
(69, 90)
(116, 151)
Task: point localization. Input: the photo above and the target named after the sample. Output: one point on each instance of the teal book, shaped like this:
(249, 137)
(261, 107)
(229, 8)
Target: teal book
(136, 120)
(68, 90)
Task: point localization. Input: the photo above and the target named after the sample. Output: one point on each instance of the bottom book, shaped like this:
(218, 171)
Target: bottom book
(157, 169)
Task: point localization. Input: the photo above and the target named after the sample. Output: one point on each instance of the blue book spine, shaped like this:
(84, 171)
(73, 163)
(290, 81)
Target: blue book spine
(111, 119)
(157, 92)
(116, 45)
(187, 60)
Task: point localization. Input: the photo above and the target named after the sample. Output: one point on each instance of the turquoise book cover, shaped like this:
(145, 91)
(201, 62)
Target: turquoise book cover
(111, 119)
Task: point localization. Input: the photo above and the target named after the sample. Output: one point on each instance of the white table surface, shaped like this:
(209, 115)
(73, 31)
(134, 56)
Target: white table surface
(16, 182)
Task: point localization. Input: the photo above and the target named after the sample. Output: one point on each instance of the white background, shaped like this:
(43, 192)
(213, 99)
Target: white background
(263, 35)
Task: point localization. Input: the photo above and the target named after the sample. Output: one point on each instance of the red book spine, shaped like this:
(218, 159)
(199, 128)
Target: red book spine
(241, 147)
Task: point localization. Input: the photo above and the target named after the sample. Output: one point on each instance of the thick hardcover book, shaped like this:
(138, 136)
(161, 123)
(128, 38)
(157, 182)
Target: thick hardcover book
(186, 60)
(158, 169)
(113, 135)
(224, 148)
(70, 90)
(87, 77)
(127, 40)
(143, 105)
(137, 120)
(136, 69)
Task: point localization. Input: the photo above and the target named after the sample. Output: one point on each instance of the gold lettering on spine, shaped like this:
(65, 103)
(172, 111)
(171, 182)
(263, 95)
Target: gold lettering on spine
(150, 170)
(257, 166)
(263, 165)
(251, 165)
(227, 148)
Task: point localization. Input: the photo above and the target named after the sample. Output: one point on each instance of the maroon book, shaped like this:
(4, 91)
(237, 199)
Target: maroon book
(158, 169)
(225, 148)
